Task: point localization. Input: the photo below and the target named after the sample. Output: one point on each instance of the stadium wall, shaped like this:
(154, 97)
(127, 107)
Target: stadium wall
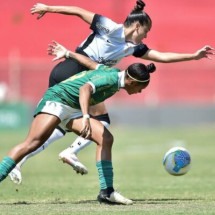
(178, 26)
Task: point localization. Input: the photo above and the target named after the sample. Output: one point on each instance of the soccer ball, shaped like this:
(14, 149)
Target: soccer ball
(177, 161)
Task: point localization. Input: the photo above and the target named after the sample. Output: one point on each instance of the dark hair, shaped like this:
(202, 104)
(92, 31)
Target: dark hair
(138, 15)
(140, 72)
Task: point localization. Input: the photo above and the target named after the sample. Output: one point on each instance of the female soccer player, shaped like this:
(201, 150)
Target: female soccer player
(108, 43)
(67, 104)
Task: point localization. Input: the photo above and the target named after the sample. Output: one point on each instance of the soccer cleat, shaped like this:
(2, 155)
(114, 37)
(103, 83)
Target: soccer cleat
(15, 175)
(73, 161)
(114, 198)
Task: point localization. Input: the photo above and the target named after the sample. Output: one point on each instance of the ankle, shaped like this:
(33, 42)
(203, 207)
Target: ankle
(107, 191)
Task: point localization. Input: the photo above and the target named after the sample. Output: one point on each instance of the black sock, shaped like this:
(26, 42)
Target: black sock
(107, 191)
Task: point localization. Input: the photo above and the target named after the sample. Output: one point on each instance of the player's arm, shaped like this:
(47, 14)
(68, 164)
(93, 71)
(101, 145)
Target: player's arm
(42, 9)
(60, 51)
(170, 57)
(84, 98)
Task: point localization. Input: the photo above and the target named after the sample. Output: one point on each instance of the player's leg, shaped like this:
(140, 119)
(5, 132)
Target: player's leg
(56, 135)
(69, 155)
(80, 143)
(41, 128)
(16, 175)
(104, 140)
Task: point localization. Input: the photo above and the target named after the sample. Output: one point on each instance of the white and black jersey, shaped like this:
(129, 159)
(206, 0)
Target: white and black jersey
(107, 45)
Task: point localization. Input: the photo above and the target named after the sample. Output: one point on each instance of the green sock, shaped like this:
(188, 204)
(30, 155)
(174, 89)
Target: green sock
(105, 171)
(6, 166)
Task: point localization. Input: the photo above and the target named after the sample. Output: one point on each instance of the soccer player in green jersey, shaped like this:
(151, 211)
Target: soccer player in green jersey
(67, 104)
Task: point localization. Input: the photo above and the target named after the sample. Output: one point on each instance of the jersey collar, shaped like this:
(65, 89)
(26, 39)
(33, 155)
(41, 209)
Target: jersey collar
(121, 81)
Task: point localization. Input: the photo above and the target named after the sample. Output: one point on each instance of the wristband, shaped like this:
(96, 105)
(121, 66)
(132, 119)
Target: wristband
(86, 116)
(67, 54)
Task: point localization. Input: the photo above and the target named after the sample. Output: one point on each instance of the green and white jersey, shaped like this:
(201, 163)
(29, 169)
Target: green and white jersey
(104, 80)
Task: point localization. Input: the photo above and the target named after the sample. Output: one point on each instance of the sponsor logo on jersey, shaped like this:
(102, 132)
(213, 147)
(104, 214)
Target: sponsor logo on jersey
(101, 60)
(99, 26)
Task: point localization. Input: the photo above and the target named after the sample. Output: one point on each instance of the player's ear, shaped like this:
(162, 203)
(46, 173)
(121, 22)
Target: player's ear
(129, 81)
(133, 83)
(137, 25)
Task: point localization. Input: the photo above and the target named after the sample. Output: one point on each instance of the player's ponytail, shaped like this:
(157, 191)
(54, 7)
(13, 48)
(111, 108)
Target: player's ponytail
(139, 6)
(138, 15)
(151, 68)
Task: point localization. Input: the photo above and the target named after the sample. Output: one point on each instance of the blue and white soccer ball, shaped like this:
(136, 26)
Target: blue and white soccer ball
(177, 161)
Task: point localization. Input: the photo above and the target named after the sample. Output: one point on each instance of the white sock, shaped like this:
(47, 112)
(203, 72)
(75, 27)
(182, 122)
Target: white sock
(80, 143)
(57, 134)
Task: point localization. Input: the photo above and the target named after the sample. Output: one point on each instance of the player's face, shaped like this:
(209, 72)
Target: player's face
(135, 88)
(141, 33)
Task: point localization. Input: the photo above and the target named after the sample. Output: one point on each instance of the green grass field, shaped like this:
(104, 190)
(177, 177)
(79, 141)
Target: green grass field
(50, 187)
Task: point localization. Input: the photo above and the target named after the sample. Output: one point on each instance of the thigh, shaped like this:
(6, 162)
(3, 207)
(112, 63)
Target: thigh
(64, 70)
(42, 127)
(98, 109)
(99, 132)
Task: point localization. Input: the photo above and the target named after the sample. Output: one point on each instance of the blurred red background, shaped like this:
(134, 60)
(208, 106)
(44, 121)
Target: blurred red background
(178, 26)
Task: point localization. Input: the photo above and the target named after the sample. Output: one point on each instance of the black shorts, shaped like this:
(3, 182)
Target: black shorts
(64, 70)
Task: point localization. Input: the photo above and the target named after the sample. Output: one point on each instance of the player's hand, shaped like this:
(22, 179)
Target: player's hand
(205, 52)
(40, 9)
(86, 129)
(57, 50)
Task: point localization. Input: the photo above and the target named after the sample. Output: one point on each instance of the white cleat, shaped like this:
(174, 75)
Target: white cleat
(15, 175)
(73, 161)
(115, 198)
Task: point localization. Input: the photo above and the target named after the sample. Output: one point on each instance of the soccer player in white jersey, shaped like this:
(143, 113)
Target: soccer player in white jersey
(107, 44)
(67, 104)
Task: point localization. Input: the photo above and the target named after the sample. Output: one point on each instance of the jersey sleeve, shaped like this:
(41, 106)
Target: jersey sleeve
(102, 25)
(140, 50)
